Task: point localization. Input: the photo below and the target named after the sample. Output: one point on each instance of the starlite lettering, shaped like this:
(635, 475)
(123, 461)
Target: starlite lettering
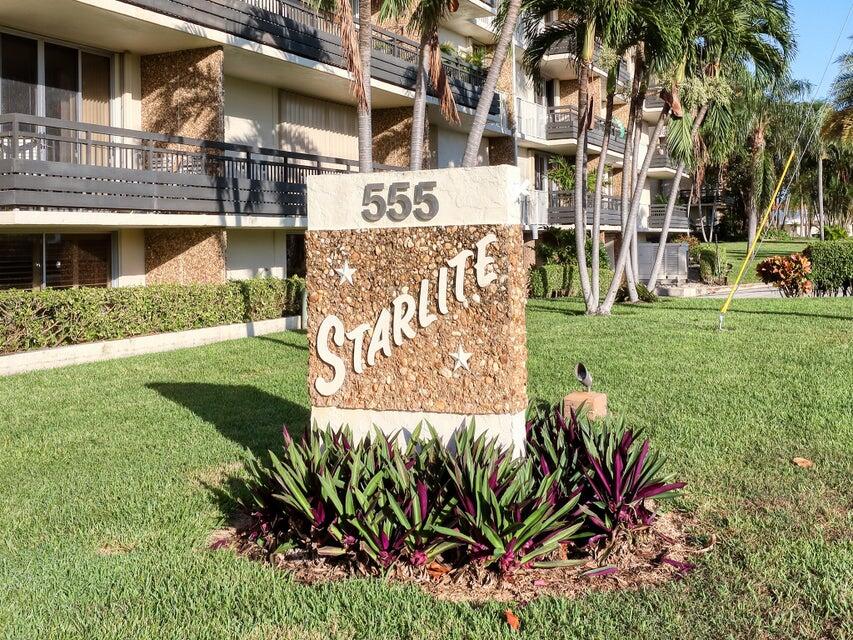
(401, 320)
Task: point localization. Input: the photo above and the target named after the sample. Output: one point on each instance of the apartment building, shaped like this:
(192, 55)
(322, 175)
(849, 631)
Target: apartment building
(155, 141)
(150, 141)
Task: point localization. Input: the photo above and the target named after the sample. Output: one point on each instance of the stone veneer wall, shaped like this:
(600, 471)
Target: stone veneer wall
(418, 377)
(184, 256)
(501, 151)
(182, 93)
(392, 134)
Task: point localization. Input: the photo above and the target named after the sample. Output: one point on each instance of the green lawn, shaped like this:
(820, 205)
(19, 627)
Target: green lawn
(736, 252)
(112, 478)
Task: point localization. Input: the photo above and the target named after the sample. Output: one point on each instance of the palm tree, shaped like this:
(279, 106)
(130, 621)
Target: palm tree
(731, 40)
(357, 47)
(839, 124)
(425, 19)
(363, 111)
(506, 19)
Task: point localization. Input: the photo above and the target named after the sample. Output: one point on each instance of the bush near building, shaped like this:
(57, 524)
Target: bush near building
(562, 280)
(832, 267)
(56, 317)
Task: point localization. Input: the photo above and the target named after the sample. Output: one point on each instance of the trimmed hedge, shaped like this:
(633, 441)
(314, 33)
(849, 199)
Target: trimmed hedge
(562, 280)
(56, 317)
(712, 267)
(832, 267)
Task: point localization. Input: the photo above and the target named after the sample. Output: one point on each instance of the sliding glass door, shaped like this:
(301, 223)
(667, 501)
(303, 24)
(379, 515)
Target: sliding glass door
(44, 78)
(61, 260)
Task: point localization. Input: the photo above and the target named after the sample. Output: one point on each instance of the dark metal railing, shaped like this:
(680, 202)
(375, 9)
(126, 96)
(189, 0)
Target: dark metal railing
(569, 45)
(563, 124)
(662, 160)
(46, 162)
(295, 27)
(561, 208)
(677, 221)
(653, 101)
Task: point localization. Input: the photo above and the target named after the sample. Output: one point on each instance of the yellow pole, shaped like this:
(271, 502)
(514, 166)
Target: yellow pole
(758, 232)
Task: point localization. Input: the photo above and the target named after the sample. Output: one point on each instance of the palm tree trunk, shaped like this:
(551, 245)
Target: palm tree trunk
(820, 191)
(416, 152)
(475, 136)
(622, 260)
(365, 124)
(635, 263)
(628, 178)
(596, 205)
(670, 204)
(580, 187)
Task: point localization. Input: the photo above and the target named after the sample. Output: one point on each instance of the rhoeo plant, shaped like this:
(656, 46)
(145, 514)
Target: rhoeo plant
(508, 516)
(609, 465)
(789, 273)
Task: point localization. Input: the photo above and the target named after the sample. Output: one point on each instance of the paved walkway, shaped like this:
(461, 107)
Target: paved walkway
(745, 291)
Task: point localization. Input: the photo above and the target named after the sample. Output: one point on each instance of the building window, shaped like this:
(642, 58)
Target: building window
(34, 261)
(295, 254)
(43, 78)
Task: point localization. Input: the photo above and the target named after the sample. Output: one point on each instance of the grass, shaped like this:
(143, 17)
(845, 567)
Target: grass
(113, 477)
(736, 253)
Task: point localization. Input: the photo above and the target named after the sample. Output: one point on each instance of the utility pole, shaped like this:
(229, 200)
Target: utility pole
(820, 190)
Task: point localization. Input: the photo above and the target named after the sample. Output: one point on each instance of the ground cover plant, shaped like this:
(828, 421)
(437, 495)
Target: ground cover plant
(378, 504)
(115, 474)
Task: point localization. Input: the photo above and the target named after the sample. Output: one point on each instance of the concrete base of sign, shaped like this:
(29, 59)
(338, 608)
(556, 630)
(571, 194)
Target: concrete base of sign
(595, 403)
(509, 429)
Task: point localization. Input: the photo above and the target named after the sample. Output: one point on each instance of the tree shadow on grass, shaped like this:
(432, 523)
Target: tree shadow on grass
(735, 312)
(282, 341)
(242, 413)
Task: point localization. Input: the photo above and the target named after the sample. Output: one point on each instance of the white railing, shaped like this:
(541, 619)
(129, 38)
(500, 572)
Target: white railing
(531, 119)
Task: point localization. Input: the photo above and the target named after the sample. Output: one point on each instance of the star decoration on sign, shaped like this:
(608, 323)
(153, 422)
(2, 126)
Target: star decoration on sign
(461, 357)
(346, 273)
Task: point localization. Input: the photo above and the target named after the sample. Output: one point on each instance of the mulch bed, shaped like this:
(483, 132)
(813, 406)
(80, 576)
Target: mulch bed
(645, 557)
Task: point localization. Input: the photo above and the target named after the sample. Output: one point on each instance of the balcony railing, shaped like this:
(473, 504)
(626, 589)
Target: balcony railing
(662, 160)
(294, 27)
(50, 163)
(568, 45)
(561, 209)
(563, 124)
(677, 221)
(653, 101)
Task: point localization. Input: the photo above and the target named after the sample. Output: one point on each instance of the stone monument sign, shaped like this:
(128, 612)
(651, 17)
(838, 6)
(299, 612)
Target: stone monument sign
(416, 295)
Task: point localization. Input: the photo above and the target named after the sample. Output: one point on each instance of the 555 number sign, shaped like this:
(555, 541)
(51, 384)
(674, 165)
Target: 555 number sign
(398, 204)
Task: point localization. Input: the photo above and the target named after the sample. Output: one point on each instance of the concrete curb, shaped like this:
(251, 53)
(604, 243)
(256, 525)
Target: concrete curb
(110, 350)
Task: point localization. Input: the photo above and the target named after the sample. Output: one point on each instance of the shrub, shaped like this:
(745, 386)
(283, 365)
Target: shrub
(832, 267)
(557, 246)
(379, 503)
(55, 317)
(777, 234)
(548, 280)
(609, 466)
(643, 293)
(712, 264)
(552, 280)
(835, 232)
(789, 273)
(693, 246)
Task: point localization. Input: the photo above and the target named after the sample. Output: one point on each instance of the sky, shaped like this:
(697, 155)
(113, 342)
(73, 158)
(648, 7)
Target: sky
(817, 24)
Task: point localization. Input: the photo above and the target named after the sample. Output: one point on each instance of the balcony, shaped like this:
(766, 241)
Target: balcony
(295, 28)
(678, 221)
(562, 124)
(662, 165)
(561, 209)
(568, 46)
(652, 105)
(57, 164)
